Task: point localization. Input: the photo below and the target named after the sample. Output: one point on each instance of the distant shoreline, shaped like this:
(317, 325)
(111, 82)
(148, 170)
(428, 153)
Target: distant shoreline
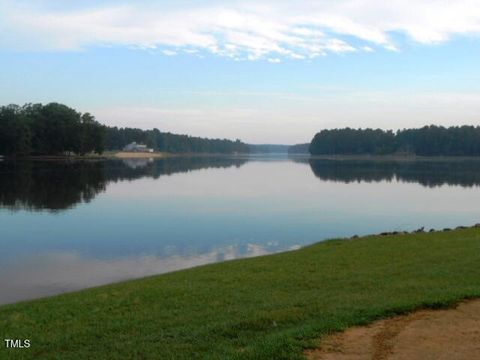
(119, 155)
(159, 155)
(387, 157)
(140, 155)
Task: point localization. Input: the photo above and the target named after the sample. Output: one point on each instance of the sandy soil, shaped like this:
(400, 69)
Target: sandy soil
(138, 155)
(451, 334)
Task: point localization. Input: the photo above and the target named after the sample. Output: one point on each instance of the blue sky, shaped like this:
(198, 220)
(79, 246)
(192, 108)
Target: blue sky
(263, 71)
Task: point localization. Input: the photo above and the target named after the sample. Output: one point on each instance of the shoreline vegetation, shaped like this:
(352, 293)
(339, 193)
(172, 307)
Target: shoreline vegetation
(391, 157)
(146, 155)
(121, 155)
(55, 129)
(273, 306)
(426, 141)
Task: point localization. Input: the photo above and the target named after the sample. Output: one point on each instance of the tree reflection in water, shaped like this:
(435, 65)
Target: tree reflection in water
(59, 185)
(433, 173)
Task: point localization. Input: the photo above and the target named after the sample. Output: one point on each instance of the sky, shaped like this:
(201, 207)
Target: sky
(263, 71)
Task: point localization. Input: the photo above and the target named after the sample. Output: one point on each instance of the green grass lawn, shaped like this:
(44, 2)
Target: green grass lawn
(269, 307)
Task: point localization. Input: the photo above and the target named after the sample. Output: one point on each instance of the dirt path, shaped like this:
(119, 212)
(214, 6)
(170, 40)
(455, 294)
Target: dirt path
(451, 334)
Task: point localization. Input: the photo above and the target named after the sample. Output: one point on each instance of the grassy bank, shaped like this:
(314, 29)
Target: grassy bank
(269, 307)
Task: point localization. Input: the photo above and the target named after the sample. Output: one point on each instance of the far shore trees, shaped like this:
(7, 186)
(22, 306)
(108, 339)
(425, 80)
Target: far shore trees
(52, 129)
(426, 141)
(56, 129)
(117, 138)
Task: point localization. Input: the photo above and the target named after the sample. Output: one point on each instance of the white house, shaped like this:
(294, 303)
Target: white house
(134, 147)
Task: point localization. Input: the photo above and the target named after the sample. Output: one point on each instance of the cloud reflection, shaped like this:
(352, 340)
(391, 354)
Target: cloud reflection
(57, 272)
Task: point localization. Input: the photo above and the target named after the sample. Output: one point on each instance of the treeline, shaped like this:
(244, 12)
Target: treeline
(118, 138)
(48, 130)
(56, 129)
(268, 149)
(298, 149)
(427, 141)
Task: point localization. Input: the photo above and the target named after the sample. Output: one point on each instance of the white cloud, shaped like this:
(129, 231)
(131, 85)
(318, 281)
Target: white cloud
(274, 60)
(243, 31)
(169, 52)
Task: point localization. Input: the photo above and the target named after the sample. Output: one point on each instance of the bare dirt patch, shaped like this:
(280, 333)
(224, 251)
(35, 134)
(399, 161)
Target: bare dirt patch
(427, 334)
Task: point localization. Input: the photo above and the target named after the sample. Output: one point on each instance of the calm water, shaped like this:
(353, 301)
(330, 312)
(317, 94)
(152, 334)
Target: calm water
(70, 225)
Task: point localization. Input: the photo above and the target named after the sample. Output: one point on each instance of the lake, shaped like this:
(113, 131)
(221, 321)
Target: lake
(68, 225)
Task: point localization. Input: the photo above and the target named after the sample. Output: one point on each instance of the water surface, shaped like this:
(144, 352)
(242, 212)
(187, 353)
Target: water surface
(70, 225)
